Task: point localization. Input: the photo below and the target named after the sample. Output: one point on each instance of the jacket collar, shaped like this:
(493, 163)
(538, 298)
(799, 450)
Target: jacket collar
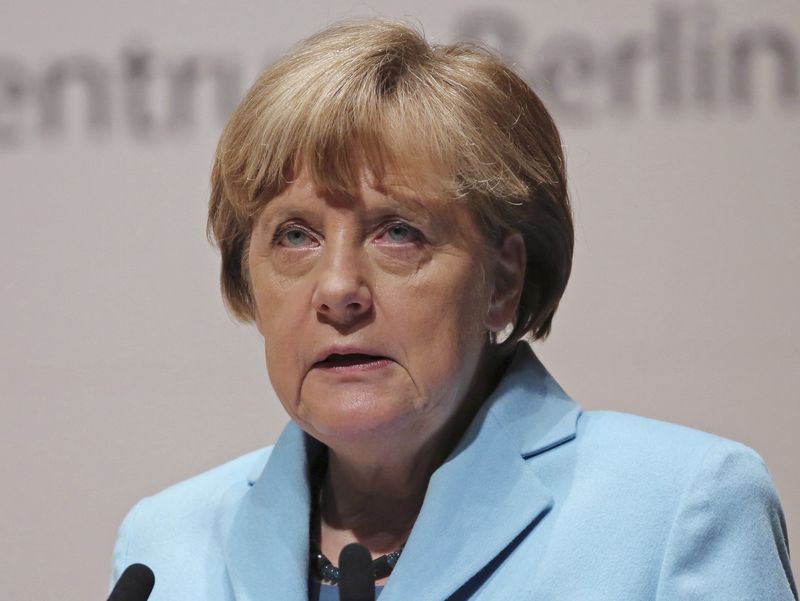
(478, 502)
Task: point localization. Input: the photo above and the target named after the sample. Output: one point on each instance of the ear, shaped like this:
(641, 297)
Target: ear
(257, 320)
(509, 278)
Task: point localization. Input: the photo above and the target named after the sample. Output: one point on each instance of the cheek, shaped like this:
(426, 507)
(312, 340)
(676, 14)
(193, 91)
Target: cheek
(282, 323)
(439, 319)
(281, 303)
(450, 301)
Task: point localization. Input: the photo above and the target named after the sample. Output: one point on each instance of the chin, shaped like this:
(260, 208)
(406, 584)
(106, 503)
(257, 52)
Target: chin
(359, 422)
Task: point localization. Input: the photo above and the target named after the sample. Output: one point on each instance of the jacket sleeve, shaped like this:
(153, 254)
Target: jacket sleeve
(728, 538)
(120, 554)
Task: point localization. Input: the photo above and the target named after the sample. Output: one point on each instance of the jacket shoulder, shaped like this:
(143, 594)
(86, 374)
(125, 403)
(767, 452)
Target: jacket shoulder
(693, 514)
(625, 433)
(183, 514)
(207, 487)
(726, 535)
(662, 456)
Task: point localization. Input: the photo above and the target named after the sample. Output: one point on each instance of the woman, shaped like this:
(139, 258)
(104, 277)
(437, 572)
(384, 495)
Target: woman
(393, 216)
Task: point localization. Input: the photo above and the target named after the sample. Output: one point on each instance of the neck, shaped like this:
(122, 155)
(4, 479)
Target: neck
(376, 503)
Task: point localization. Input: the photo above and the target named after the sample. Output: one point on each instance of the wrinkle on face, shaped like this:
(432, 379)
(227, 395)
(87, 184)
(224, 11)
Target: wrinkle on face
(427, 307)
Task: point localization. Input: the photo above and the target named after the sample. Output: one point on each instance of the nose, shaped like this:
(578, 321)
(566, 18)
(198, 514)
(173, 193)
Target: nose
(342, 294)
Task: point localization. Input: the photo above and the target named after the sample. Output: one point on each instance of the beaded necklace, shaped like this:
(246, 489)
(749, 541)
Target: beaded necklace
(320, 566)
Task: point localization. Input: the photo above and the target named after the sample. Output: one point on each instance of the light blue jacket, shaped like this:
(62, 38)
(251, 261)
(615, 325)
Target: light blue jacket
(539, 501)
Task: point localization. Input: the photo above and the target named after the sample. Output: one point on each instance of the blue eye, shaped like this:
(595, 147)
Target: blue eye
(295, 237)
(292, 237)
(400, 232)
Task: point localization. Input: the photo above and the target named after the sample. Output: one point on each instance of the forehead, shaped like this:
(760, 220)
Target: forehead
(391, 192)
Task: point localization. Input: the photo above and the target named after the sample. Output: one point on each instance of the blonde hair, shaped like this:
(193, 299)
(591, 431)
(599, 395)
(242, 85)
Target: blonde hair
(376, 94)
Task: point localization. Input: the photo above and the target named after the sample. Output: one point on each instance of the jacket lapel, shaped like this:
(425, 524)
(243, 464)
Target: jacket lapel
(265, 529)
(478, 502)
(486, 494)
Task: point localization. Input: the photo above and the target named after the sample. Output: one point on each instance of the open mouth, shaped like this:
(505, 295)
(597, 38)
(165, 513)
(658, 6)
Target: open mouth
(336, 360)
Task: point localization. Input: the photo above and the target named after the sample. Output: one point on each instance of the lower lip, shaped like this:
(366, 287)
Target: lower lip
(355, 368)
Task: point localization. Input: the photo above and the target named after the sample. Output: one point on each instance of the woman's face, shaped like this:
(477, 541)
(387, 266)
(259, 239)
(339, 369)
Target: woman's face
(373, 309)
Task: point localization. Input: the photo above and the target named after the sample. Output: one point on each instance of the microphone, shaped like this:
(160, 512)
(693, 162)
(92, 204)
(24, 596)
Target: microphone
(356, 580)
(135, 584)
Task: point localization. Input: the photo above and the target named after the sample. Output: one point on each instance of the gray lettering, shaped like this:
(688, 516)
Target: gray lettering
(623, 65)
(92, 76)
(668, 44)
(743, 51)
(186, 77)
(705, 60)
(137, 78)
(493, 27)
(13, 88)
(565, 70)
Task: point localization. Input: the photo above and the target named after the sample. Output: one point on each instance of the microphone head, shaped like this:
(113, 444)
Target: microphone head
(135, 584)
(356, 580)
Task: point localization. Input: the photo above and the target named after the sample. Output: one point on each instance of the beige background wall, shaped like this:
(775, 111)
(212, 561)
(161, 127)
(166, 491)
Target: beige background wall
(120, 372)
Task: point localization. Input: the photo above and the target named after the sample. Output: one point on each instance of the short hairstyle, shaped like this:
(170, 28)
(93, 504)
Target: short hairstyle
(376, 91)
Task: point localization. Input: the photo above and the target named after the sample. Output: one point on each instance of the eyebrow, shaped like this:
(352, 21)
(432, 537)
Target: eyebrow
(414, 206)
(409, 199)
(268, 219)
(392, 199)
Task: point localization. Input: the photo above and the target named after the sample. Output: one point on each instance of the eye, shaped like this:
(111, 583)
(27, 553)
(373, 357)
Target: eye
(400, 233)
(293, 237)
